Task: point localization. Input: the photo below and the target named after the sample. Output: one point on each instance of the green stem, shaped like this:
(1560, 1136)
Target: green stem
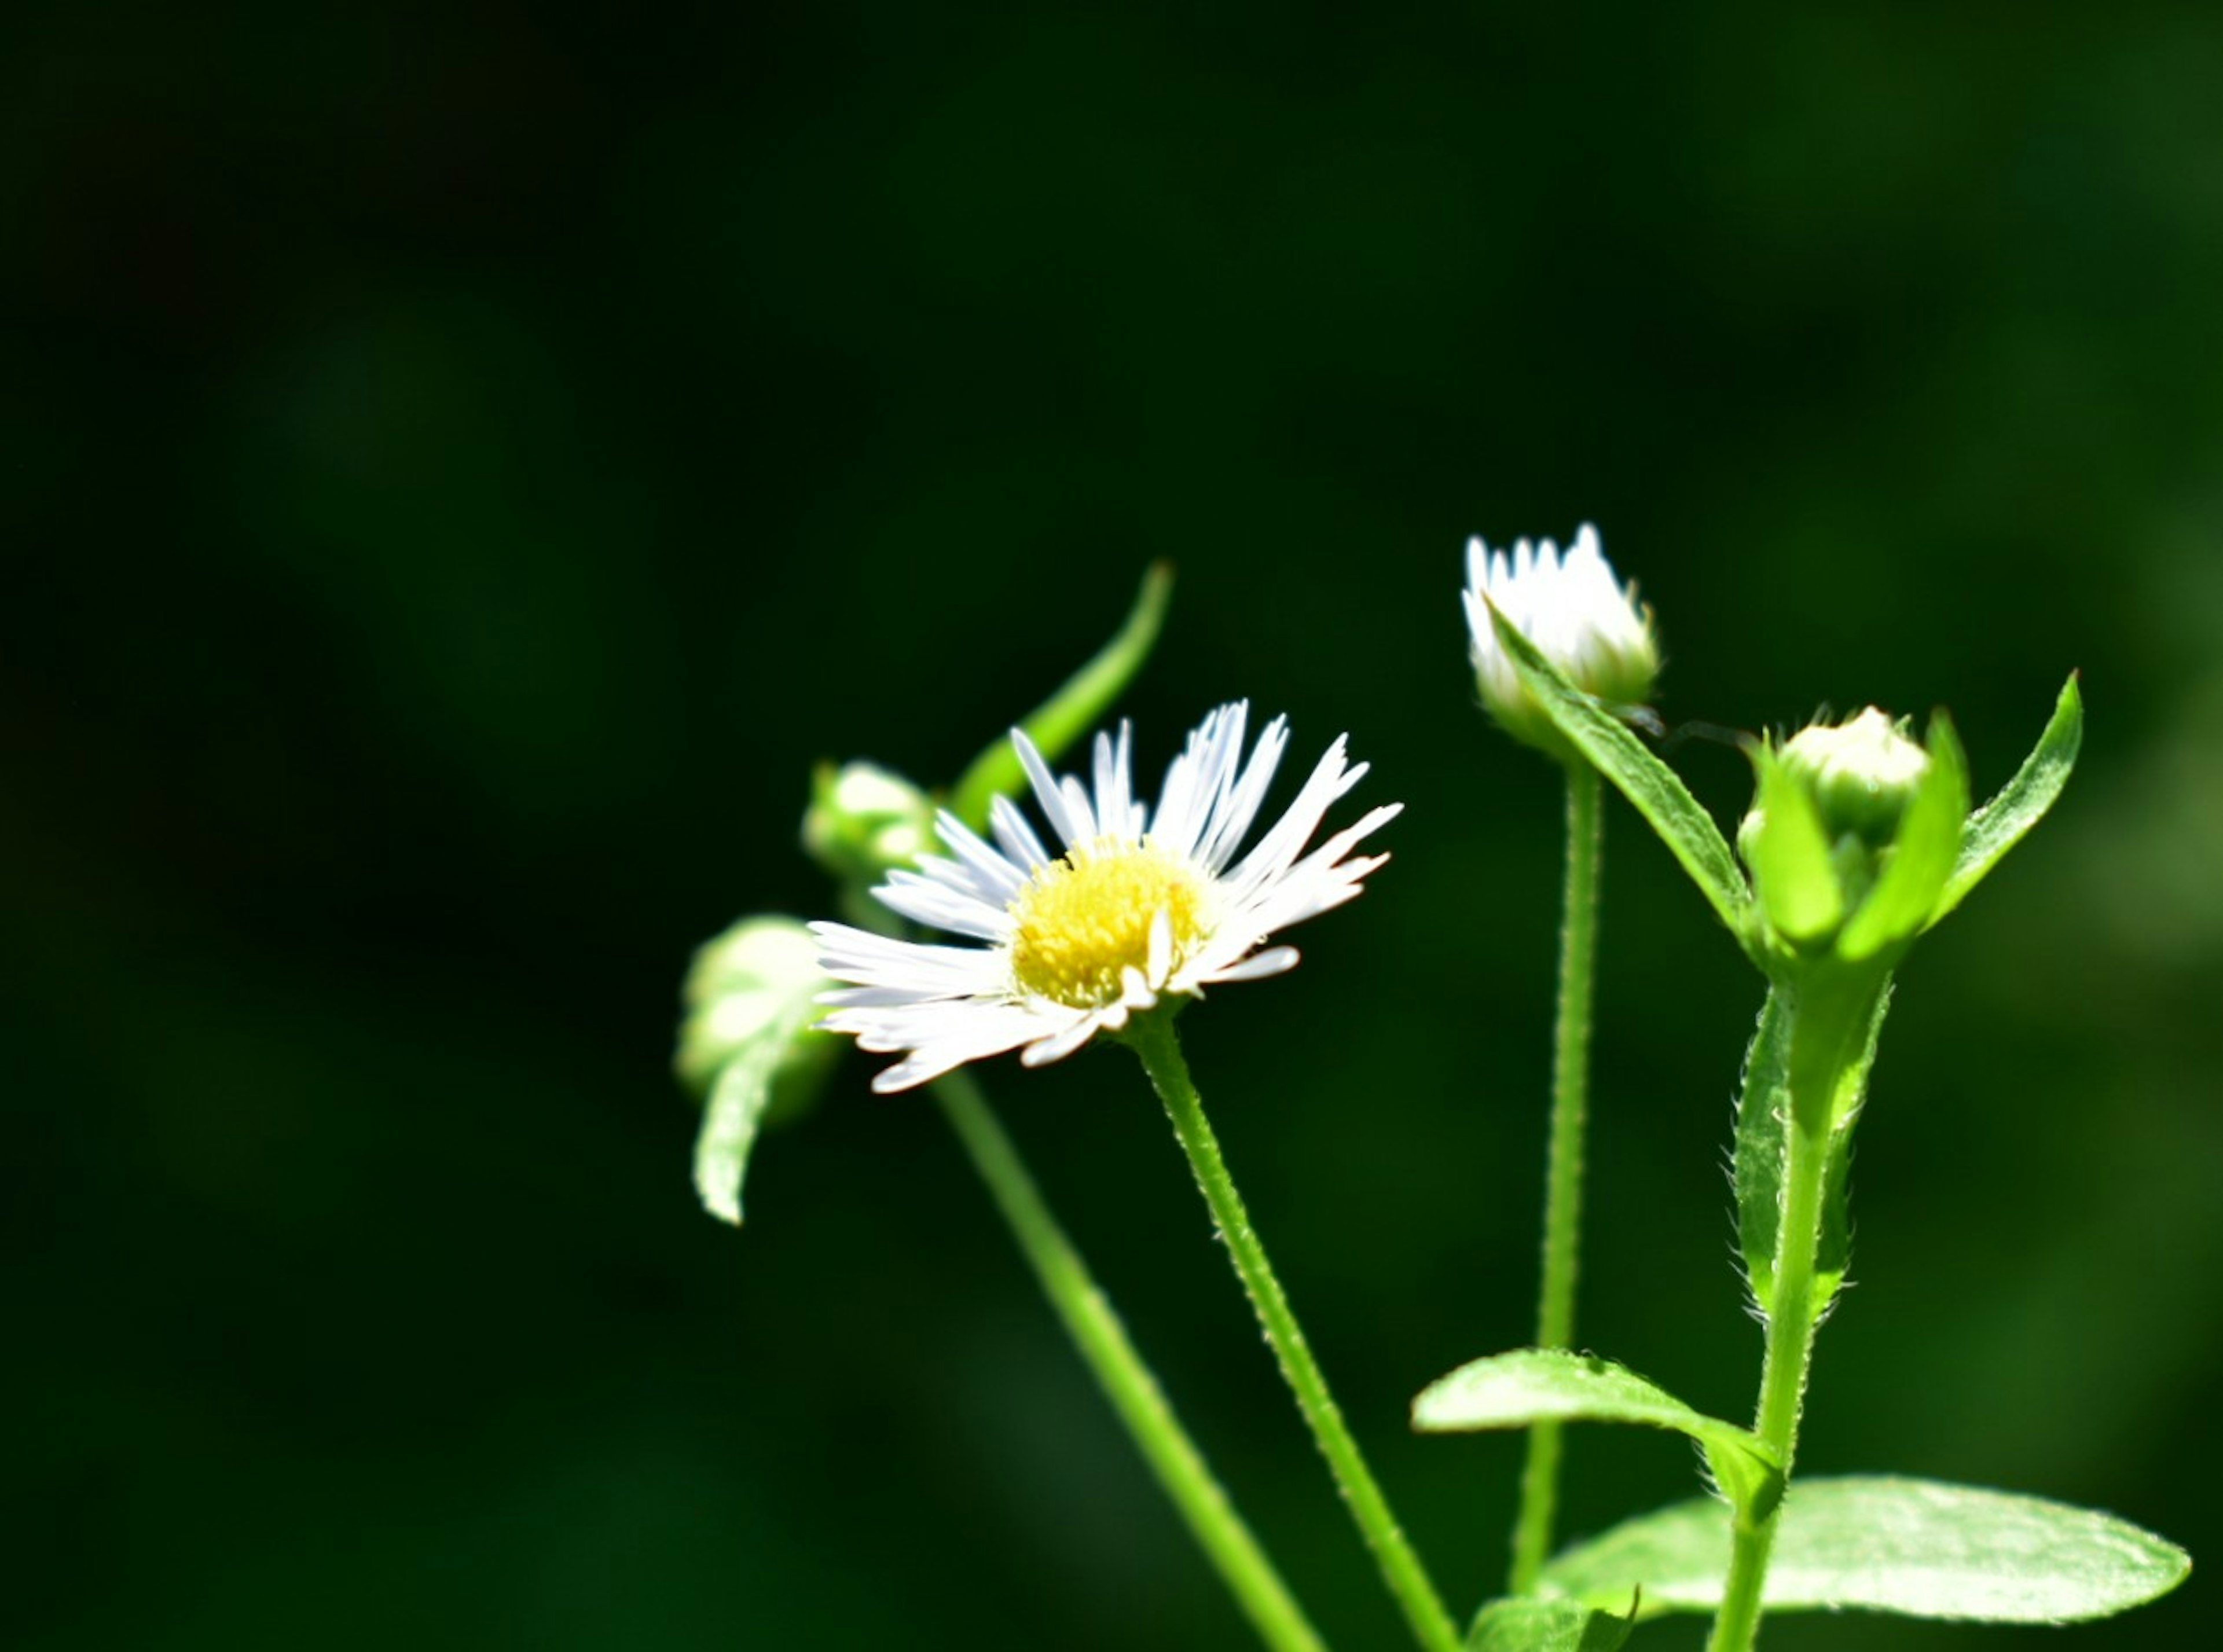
(1153, 1036)
(1823, 1049)
(1563, 1168)
(1126, 1381)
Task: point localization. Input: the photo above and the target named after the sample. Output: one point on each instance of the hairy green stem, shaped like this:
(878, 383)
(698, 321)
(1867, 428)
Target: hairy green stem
(1152, 1035)
(1826, 1018)
(1563, 1167)
(1126, 1381)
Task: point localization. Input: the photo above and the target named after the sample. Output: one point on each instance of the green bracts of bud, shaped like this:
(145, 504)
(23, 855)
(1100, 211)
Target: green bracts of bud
(863, 820)
(1853, 836)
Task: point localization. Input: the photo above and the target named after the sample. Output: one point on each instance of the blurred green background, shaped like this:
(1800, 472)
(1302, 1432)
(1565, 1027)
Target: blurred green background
(465, 463)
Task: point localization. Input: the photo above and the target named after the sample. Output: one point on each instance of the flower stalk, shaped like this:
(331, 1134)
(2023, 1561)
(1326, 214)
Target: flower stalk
(1154, 1041)
(1563, 1175)
(1126, 1380)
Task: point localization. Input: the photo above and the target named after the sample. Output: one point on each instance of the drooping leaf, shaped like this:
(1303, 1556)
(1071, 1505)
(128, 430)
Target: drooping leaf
(1915, 1548)
(751, 996)
(2021, 803)
(1922, 855)
(1655, 790)
(1076, 706)
(1529, 1386)
(1763, 1115)
(1794, 873)
(1547, 1626)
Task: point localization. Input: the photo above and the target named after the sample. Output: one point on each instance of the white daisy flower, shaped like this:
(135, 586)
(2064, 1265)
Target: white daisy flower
(1137, 904)
(1576, 613)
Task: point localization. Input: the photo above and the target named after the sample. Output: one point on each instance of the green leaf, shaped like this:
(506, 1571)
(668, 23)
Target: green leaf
(1915, 1548)
(1075, 708)
(1657, 793)
(1922, 854)
(2022, 802)
(1763, 1116)
(752, 998)
(1792, 871)
(1547, 1626)
(1512, 1391)
(1763, 1120)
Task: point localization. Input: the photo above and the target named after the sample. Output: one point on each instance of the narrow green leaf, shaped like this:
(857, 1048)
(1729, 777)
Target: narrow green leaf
(1075, 708)
(751, 996)
(1529, 1386)
(1650, 785)
(1914, 1547)
(1763, 1116)
(2021, 803)
(1547, 1626)
(1922, 855)
(1794, 873)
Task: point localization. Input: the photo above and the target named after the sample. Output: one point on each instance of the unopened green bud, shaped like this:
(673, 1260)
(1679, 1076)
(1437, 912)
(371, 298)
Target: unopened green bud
(1853, 834)
(754, 989)
(863, 820)
(1862, 775)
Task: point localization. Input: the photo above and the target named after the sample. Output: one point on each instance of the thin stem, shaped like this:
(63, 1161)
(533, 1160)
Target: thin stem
(1563, 1166)
(1153, 1036)
(1126, 1381)
(1822, 1021)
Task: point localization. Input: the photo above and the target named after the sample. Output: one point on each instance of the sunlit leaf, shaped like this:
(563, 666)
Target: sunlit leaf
(1914, 1547)
(1075, 708)
(1922, 855)
(1792, 871)
(1546, 1626)
(1763, 1116)
(751, 996)
(1655, 790)
(2021, 803)
(1529, 1386)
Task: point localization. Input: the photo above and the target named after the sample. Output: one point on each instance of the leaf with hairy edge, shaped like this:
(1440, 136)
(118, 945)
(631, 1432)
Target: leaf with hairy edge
(1914, 1547)
(2021, 803)
(1650, 785)
(1529, 1386)
(1075, 708)
(1763, 1115)
(1547, 1626)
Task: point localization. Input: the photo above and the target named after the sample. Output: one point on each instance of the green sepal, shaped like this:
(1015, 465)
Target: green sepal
(1076, 706)
(747, 1046)
(1793, 873)
(1531, 1385)
(1921, 857)
(1655, 790)
(1547, 1626)
(2021, 803)
(1916, 1548)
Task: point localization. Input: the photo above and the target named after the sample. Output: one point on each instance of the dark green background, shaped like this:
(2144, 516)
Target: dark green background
(464, 464)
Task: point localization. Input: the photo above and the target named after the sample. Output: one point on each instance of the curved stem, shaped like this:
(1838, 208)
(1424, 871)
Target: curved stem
(1126, 1381)
(1563, 1166)
(1153, 1036)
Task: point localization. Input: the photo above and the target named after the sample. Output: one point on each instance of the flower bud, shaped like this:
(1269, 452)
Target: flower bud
(1853, 834)
(1590, 628)
(863, 820)
(755, 989)
(1862, 775)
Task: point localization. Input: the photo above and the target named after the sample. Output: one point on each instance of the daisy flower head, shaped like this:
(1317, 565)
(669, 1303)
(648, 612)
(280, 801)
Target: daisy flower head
(1575, 613)
(1136, 904)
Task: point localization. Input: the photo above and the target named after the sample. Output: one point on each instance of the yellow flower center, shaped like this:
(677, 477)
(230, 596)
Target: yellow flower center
(1085, 918)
